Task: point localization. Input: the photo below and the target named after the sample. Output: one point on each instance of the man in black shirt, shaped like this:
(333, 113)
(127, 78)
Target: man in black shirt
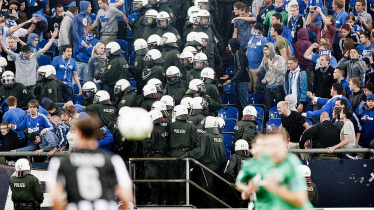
(293, 122)
(55, 22)
(91, 178)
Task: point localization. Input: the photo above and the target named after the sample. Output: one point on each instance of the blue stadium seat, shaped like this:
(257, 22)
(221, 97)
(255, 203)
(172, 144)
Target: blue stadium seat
(132, 58)
(228, 140)
(256, 98)
(78, 99)
(275, 103)
(228, 153)
(230, 113)
(133, 83)
(131, 47)
(41, 45)
(273, 125)
(309, 122)
(273, 113)
(230, 88)
(229, 70)
(259, 125)
(44, 60)
(309, 108)
(228, 98)
(123, 44)
(260, 112)
(50, 54)
(229, 126)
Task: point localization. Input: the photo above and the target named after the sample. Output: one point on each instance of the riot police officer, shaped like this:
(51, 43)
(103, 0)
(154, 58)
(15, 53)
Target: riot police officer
(170, 50)
(102, 107)
(89, 90)
(186, 59)
(164, 25)
(149, 97)
(208, 76)
(47, 86)
(183, 138)
(27, 191)
(154, 42)
(186, 101)
(169, 102)
(198, 111)
(155, 147)
(175, 86)
(12, 88)
(150, 24)
(153, 61)
(161, 106)
(234, 164)
(311, 187)
(124, 95)
(158, 84)
(141, 49)
(200, 61)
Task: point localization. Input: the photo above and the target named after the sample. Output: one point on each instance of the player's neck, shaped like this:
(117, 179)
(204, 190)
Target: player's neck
(87, 144)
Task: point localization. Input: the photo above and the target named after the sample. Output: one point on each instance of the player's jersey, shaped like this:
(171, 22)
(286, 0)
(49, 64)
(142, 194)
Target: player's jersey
(89, 177)
(285, 173)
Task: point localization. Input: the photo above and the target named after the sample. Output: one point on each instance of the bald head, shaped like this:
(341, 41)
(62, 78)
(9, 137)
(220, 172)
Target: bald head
(282, 107)
(283, 104)
(324, 116)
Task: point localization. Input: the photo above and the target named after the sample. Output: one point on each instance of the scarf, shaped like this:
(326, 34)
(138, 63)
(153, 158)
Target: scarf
(294, 24)
(103, 62)
(279, 9)
(325, 52)
(89, 37)
(10, 22)
(323, 70)
(14, 49)
(294, 75)
(254, 34)
(360, 27)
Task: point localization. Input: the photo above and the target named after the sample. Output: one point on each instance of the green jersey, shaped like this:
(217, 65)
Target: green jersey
(287, 175)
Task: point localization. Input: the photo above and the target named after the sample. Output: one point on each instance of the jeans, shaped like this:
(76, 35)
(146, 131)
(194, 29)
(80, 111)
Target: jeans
(69, 96)
(271, 94)
(106, 39)
(254, 79)
(99, 85)
(83, 68)
(241, 90)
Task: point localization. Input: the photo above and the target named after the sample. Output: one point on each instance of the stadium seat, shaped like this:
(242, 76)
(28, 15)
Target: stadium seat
(230, 113)
(230, 88)
(273, 125)
(133, 83)
(41, 45)
(228, 98)
(259, 125)
(273, 113)
(256, 98)
(76, 89)
(44, 60)
(132, 58)
(228, 140)
(229, 126)
(123, 44)
(78, 99)
(309, 108)
(260, 112)
(309, 122)
(131, 47)
(50, 54)
(229, 70)
(228, 153)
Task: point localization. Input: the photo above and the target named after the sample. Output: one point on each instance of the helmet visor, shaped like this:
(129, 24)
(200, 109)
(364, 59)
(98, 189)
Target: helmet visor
(88, 94)
(163, 23)
(8, 81)
(204, 20)
(117, 89)
(137, 5)
(149, 20)
(201, 88)
(200, 64)
(203, 5)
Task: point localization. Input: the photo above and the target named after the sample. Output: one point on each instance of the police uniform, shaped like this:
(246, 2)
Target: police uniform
(171, 56)
(241, 132)
(49, 89)
(162, 31)
(193, 74)
(196, 119)
(212, 91)
(137, 69)
(89, 178)
(166, 8)
(117, 69)
(213, 106)
(183, 138)
(176, 90)
(17, 90)
(313, 194)
(122, 148)
(148, 31)
(86, 102)
(129, 99)
(147, 103)
(27, 192)
(234, 164)
(156, 72)
(104, 110)
(139, 25)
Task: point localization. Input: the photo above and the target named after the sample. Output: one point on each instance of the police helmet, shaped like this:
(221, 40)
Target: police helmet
(200, 61)
(156, 82)
(161, 17)
(122, 85)
(305, 171)
(168, 101)
(249, 113)
(8, 79)
(44, 72)
(211, 125)
(221, 124)
(150, 17)
(190, 38)
(154, 41)
(89, 90)
(170, 39)
(190, 49)
(149, 91)
(241, 144)
(157, 116)
(186, 56)
(100, 96)
(192, 10)
(186, 101)
(198, 104)
(137, 5)
(203, 17)
(112, 47)
(208, 75)
(23, 167)
(158, 105)
(173, 74)
(140, 46)
(196, 86)
(180, 112)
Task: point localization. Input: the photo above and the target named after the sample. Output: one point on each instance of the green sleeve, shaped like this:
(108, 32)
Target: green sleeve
(38, 191)
(296, 181)
(244, 175)
(267, 19)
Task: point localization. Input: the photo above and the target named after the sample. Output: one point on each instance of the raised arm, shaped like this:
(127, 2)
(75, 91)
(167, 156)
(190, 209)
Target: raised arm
(309, 52)
(95, 23)
(117, 5)
(15, 28)
(49, 44)
(3, 47)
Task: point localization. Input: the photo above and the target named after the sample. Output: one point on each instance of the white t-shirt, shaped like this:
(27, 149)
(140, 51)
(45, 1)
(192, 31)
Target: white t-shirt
(19, 33)
(348, 129)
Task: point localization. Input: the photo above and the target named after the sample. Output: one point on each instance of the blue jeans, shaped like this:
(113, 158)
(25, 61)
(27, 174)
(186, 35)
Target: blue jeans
(83, 68)
(241, 90)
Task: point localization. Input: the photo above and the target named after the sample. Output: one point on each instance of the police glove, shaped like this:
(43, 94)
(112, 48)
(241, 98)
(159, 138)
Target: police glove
(182, 156)
(98, 76)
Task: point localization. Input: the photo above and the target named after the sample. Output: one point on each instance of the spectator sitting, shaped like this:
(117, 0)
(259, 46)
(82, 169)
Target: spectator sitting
(324, 135)
(81, 21)
(328, 30)
(357, 94)
(296, 83)
(296, 22)
(366, 48)
(336, 117)
(14, 115)
(347, 135)
(367, 122)
(300, 47)
(323, 77)
(353, 64)
(340, 79)
(61, 130)
(363, 17)
(329, 104)
(65, 36)
(45, 142)
(323, 48)
(11, 140)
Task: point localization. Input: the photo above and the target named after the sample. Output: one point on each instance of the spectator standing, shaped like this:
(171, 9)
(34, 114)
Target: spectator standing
(366, 48)
(336, 117)
(347, 135)
(274, 66)
(346, 33)
(296, 22)
(255, 54)
(11, 140)
(83, 52)
(323, 77)
(10, 28)
(296, 83)
(353, 64)
(278, 7)
(243, 26)
(367, 122)
(15, 46)
(368, 89)
(66, 28)
(14, 115)
(328, 30)
(261, 15)
(323, 48)
(66, 68)
(340, 16)
(81, 21)
(357, 95)
(293, 122)
(97, 63)
(277, 18)
(281, 46)
(108, 19)
(339, 77)
(364, 19)
(55, 22)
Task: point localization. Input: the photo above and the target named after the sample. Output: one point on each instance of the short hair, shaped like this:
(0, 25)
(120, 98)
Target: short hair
(362, 2)
(337, 111)
(327, 57)
(51, 106)
(339, 3)
(278, 16)
(341, 70)
(91, 29)
(296, 6)
(325, 115)
(32, 136)
(65, 114)
(238, 4)
(325, 45)
(355, 48)
(11, 101)
(58, 6)
(348, 44)
(366, 34)
(342, 102)
(356, 81)
(369, 86)
(332, 19)
(89, 126)
(71, 109)
(13, 37)
(348, 112)
(4, 123)
(64, 47)
(244, 7)
(351, 17)
(33, 102)
(278, 28)
(42, 25)
(327, 41)
(73, 9)
(104, 1)
(294, 59)
(338, 88)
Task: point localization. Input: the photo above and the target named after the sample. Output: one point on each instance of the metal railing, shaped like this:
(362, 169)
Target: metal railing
(32, 154)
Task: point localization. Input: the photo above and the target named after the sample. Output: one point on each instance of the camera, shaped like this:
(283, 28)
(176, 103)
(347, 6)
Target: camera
(315, 8)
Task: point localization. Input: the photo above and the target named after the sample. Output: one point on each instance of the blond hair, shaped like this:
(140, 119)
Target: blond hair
(95, 47)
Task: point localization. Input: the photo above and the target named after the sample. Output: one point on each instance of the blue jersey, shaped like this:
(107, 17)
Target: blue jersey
(340, 20)
(315, 59)
(367, 123)
(255, 52)
(35, 124)
(345, 84)
(362, 49)
(64, 69)
(15, 116)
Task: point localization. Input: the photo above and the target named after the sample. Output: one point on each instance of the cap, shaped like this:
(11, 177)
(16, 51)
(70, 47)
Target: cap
(10, 16)
(25, 48)
(370, 96)
(259, 27)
